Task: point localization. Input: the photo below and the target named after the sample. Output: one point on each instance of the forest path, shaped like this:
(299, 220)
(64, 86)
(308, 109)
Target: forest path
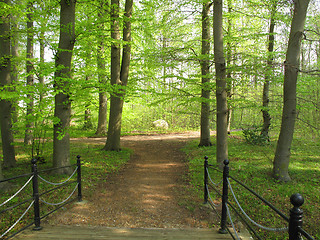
(151, 190)
(149, 198)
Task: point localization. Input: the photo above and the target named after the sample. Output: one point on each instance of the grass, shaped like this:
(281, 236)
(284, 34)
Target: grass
(252, 165)
(96, 166)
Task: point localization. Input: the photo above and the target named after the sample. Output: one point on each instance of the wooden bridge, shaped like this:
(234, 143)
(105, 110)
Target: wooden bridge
(95, 233)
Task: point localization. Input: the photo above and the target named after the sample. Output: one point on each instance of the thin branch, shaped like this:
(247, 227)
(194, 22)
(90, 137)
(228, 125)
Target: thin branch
(315, 72)
(314, 31)
(309, 124)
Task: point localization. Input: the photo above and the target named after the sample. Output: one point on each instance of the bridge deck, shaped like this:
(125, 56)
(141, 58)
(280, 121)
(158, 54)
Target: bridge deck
(93, 233)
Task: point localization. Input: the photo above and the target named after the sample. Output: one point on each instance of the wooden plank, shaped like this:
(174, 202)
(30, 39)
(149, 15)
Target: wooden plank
(96, 233)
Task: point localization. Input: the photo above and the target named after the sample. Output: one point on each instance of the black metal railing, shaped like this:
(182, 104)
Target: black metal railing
(37, 197)
(295, 220)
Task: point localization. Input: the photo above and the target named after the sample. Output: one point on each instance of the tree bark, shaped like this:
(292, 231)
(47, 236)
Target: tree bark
(291, 68)
(62, 112)
(14, 29)
(4, 185)
(114, 128)
(87, 118)
(229, 59)
(103, 99)
(5, 81)
(266, 86)
(103, 110)
(30, 79)
(205, 79)
(1, 176)
(119, 76)
(41, 78)
(221, 86)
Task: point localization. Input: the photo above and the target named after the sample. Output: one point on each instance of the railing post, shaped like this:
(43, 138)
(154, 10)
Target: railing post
(36, 195)
(79, 179)
(295, 221)
(205, 179)
(223, 225)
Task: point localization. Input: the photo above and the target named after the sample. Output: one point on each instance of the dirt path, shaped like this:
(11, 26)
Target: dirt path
(150, 191)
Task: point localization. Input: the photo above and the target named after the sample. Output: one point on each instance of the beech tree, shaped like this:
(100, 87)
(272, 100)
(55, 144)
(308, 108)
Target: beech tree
(62, 81)
(3, 185)
(119, 73)
(289, 112)
(14, 30)
(6, 87)
(229, 52)
(29, 70)
(205, 76)
(101, 65)
(268, 74)
(1, 175)
(221, 85)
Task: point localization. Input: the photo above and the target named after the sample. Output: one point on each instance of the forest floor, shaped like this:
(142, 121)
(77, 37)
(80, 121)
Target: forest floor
(151, 191)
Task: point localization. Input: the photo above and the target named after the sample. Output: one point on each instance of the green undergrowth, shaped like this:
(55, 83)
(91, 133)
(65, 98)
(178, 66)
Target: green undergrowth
(96, 166)
(77, 132)
(252, 165)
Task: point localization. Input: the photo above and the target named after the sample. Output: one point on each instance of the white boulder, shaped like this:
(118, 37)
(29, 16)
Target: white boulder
(160, 124)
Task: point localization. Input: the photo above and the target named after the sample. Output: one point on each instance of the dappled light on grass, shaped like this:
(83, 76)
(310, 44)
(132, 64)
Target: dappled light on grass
(252, 165)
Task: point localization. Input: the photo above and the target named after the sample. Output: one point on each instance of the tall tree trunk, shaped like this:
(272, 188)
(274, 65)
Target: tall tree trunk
(29, 70)
(5, 80)
(318, 55)
(114, 128)
(103, 99)
(62, 112)
(126, 54)
(87, 112)
(291, 68)
(164, 63)
(221, 85)
(103, 110)
(229, 71)
(265, 95)
(3, 185)
(14, 29)
(119, 78)
(1, 175)
(41, 78)
(87, 118)
(205, 79)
